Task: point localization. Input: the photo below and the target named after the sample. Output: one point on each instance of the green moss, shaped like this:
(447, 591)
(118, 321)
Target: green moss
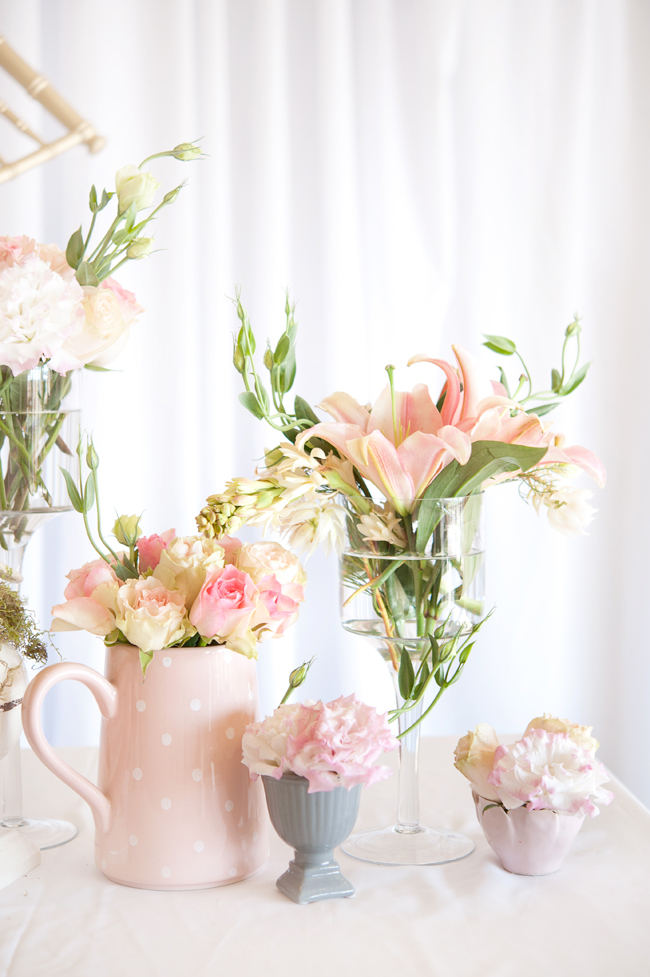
(18, 627)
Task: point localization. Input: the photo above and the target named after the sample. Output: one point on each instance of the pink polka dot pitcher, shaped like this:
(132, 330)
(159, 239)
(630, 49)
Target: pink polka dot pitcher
(174, 807)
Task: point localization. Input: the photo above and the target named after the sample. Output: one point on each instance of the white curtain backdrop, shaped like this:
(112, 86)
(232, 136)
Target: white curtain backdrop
(416, 173)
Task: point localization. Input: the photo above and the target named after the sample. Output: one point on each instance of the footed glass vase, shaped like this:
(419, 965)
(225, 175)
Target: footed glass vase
(39, 433)
(420, 598)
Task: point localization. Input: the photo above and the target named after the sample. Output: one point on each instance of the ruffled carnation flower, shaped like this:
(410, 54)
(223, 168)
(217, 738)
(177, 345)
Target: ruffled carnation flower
(334, 744)
(549, 771)
(186, 561)
(552, 767)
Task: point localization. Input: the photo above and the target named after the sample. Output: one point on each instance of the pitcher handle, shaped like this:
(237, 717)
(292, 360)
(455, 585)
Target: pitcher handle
(106, 697)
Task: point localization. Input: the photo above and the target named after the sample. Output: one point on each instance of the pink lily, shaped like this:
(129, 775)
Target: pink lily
(481, 409)
(399, 445)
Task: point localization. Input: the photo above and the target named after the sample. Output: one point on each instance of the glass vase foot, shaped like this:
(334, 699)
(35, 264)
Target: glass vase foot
(424, 846)
(44, 833)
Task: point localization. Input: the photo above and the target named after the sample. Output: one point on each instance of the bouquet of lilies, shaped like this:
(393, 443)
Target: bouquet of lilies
(389, 474)
(167, 590)
(60, 312)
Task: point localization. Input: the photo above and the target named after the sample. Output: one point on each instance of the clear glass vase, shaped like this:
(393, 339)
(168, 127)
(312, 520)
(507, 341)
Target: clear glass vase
(39, 434)
(419, 598)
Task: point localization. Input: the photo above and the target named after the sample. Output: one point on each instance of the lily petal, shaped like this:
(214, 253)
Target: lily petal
(414, 411)
(451, 405)
(346, 410)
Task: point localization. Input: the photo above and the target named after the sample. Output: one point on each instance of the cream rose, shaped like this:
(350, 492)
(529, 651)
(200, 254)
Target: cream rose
(474, 757)
(134, 186)
(259, 560)
(185, 563)
(149, 615)
(109, 312)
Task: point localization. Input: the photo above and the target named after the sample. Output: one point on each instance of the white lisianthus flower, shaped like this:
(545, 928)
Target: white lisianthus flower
(134, 186)
(149, 615)
(474, 757)
(549, 771)
(185, 563)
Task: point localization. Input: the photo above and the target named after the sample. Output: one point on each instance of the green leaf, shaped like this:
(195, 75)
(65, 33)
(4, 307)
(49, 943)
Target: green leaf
(121, 571)
(129, 216)
(424, 676)
(556, 381)
(302, 410)
(121, 236)
(268, 358)
(575, 380)
(106, 196)
(73, 492)
(287, 374)
(406, 675)
(251, 403)
(282, 349)
(92, 199)
(504, 380)
(145, 660)
(500, 344)
(95, 368)
(488, 458)
(75, 249)
(86, 274)
(89, 494)
(543, 409)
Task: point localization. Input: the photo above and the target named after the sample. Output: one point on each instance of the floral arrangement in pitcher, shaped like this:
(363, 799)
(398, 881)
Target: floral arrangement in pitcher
(61, 311)
(167, 590)
(552, 767)
(333, 744)
(385, 474)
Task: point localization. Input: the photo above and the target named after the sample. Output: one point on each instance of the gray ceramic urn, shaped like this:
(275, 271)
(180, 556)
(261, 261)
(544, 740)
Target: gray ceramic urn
(313, 824)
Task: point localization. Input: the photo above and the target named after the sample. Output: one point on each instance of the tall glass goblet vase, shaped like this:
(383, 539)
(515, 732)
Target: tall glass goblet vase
(420, 598)
(39, 433)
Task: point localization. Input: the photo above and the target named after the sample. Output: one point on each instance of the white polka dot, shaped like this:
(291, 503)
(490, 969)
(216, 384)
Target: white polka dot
(240, 823)
(230, 733)
(229, 806)
(232, 873)
(198, 846)
(167, 661)
(136, 773)
(165, 739)
(141, 705)
(197, 775)
(166, 872)
(166, 803)
(104, 864)
(195, 705)
(133, 840)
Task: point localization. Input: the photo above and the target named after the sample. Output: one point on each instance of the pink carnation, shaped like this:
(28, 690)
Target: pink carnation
(334, 744)
(150, 547)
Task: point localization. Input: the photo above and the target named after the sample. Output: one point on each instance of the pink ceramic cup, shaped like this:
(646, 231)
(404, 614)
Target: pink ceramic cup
(174, 807)
(527, 842)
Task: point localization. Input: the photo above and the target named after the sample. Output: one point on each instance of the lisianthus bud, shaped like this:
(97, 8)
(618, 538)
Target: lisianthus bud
(171, 195)
(127, 530)
(186, 151)
(140, 247)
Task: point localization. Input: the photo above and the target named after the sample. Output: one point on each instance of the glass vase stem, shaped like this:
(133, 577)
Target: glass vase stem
(408, 807)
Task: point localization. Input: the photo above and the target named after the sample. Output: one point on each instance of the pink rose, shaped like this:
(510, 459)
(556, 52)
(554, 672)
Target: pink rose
(231, 546)
(225, 607)
(150, 547)
(90, 600)
(281, 603)
(88, 577)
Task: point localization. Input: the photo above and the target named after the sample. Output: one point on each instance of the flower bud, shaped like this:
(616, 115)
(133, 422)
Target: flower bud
(186, 151)
(171, 195)
(139, 247)
(298, 675)
(127, 529)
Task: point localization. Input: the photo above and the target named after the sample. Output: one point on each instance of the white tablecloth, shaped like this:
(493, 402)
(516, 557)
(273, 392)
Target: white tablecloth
(465, 919)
